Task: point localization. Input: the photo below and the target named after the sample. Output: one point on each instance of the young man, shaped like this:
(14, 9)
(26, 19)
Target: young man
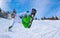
(16, 19)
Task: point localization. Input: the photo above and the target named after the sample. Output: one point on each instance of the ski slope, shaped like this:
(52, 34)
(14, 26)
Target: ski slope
(39, 29)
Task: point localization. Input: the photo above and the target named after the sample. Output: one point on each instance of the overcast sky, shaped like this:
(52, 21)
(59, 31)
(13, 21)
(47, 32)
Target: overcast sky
(45, 8)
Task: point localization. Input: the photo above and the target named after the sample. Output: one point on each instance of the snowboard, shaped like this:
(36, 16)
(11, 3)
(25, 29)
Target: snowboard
(33, 13)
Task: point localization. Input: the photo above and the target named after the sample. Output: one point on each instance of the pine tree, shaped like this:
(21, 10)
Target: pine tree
(35, 18)
(0, 10)
(1, 14)
(56, 18)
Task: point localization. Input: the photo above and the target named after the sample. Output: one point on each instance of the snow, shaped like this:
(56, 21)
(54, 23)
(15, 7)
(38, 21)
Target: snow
(39, 29)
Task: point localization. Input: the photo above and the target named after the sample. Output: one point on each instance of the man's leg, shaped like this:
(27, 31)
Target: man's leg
(10, 27)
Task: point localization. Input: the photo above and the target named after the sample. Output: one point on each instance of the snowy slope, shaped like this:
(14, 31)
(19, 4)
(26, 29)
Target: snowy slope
(39, 29)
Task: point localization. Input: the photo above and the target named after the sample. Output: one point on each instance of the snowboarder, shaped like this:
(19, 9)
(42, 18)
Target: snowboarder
(28, 19)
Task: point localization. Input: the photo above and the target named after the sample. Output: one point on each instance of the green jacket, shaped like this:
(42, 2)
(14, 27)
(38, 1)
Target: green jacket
(25, 21)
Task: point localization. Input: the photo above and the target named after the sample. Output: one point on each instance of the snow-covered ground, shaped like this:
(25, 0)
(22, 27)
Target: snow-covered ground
(39, 29)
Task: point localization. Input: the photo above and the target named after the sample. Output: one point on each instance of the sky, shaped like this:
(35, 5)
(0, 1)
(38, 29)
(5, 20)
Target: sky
(47, 8)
